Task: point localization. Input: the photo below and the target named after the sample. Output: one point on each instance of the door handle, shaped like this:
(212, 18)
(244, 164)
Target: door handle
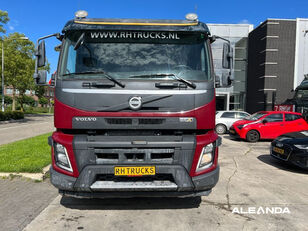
(281, 125)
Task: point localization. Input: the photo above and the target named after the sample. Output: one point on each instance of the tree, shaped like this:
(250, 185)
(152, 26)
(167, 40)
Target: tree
(7, 99)
(4, 18)
(19, 65)
(28, 100)
(43, 101)
(39, 91)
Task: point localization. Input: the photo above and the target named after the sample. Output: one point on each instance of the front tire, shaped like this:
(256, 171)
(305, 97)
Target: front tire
(252, 136)
(220, 129)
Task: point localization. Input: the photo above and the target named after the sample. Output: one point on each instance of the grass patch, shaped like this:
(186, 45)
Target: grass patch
(29, 155)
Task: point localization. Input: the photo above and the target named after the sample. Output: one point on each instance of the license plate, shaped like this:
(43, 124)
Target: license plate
(134, 171)
(278, 150)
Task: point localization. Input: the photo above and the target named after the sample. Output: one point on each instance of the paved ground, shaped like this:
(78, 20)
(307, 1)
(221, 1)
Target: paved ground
(22, 200)
(250, 179)
(31, 126)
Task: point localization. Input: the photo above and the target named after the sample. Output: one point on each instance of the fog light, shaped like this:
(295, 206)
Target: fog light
(61, 157)
(206, 157)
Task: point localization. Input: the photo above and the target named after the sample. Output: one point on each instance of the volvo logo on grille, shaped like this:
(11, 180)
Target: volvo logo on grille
(85, 119)
(135, 103)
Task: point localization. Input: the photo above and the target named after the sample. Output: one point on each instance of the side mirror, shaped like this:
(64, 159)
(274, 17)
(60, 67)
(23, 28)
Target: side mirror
(226, 80)
(217, 81)
(52, 81)
(264, 121)
(227, 56)
(41, 54)
(41, 77)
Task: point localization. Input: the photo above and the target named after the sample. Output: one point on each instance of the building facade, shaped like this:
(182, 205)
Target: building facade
(232, 98)
(277, 62)
(9, 92)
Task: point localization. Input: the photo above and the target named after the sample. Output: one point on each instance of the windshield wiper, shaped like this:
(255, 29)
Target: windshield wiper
(99, 72)
(189, 83)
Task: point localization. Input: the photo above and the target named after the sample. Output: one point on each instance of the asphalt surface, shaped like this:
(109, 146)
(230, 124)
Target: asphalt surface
(250, 180)
(32, 125)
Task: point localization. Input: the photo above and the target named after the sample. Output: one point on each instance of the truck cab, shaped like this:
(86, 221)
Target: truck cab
(134, 108)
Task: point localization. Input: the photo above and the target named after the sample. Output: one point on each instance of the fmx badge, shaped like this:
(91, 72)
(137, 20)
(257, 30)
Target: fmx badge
(186, 119)
(135, 103)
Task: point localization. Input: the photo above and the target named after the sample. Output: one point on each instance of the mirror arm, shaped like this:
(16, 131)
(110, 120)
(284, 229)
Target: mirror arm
(218, 37)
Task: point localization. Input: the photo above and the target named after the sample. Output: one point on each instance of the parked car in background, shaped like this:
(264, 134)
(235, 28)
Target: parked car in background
(268, 125)
(292, 148)
(224, 120)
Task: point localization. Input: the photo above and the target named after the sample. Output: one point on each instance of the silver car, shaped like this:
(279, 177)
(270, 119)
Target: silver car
(224, 120)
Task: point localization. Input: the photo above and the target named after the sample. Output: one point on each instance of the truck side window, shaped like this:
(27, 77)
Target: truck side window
(71, 61)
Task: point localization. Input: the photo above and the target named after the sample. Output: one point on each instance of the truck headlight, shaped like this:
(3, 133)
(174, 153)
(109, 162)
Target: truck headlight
(61, 157)
(206, 157)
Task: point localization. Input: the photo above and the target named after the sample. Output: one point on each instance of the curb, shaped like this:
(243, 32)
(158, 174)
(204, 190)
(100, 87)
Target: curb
(32, 176)
(12, 121)
(24, 119)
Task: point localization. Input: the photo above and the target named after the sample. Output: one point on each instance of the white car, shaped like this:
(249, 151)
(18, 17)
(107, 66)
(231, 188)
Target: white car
(224, 120)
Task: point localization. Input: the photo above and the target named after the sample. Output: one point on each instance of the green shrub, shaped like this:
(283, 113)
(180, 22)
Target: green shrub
(43, 101)
(38, 110)
(7, 99)
(28, 100)
(15, 115)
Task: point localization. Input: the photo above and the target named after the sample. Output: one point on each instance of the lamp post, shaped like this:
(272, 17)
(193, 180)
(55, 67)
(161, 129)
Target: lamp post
(2, 82)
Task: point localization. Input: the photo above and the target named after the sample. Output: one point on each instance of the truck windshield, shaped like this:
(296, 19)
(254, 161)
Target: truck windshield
(129, 55)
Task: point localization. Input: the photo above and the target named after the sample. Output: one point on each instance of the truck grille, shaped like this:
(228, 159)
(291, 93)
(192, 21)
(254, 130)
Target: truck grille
(118, 121)
(151, 121)
(136, 121)
(133, 155)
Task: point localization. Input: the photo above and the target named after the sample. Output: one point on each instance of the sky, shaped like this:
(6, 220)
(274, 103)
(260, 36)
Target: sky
(36, 18)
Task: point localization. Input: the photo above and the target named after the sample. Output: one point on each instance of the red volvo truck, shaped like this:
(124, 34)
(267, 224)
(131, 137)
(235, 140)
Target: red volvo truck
(134, 108)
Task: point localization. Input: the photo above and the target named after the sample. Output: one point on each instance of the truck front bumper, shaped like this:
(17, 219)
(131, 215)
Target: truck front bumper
(87, 185)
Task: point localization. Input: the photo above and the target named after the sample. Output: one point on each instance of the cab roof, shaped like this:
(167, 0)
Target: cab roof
(135, 24)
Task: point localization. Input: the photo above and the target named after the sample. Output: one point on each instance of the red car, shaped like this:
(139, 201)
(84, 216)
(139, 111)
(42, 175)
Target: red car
(268, 125)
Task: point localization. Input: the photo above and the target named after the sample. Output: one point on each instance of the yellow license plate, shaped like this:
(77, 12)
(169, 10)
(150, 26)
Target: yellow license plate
(134, 171)
(278, 150)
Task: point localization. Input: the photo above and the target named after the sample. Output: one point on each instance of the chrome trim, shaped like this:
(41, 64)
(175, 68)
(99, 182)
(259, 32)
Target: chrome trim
(145, 92)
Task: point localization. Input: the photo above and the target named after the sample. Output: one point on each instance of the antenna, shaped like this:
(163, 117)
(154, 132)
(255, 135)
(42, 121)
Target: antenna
(196, 7)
